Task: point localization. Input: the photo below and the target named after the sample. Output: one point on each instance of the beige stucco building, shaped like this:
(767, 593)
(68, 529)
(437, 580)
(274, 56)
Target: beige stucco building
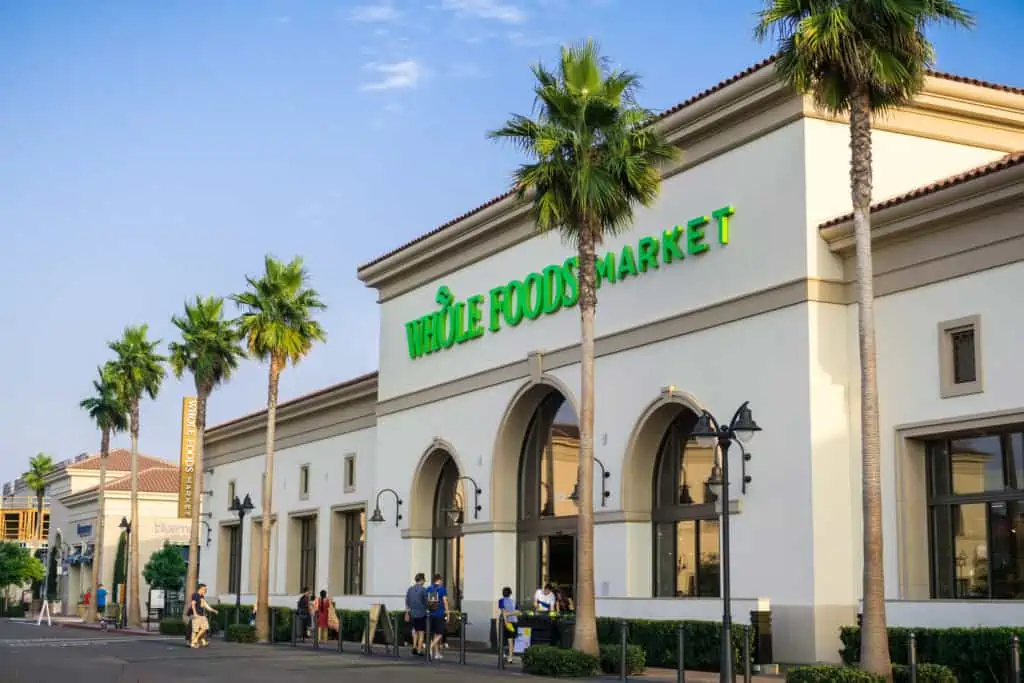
(737, 285)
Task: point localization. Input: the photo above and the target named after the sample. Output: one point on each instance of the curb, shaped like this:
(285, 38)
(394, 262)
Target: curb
(112, 631)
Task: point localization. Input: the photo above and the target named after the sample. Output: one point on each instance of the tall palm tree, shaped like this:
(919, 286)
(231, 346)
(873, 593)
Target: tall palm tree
(106, 409)
(39, 467)
(593, 161)
(209, 349)
(856, 58)
(278, 326)
(137, 371)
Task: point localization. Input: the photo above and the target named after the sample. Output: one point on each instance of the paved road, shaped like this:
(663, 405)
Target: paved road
(40, 654)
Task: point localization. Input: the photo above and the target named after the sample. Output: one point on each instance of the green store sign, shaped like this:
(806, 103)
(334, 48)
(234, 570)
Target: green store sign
(556, 287)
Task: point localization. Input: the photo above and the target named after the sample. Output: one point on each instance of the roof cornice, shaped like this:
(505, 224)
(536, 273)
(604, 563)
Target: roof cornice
(932, 208)
(363, 388)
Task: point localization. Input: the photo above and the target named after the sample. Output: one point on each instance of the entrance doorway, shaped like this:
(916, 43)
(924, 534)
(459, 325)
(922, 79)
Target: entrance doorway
(448, 558)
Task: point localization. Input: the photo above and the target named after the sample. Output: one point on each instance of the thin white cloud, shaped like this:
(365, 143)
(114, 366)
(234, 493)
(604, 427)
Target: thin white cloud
(380, 12)
(520, 39)
(394, 76)
(466, 70)
(485, 9)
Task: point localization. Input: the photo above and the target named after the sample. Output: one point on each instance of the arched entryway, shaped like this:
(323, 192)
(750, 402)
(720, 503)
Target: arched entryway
(546, 513)
(686, 533)
(449, 514)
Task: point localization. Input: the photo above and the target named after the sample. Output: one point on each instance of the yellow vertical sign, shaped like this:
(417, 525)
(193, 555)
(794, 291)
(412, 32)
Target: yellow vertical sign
(189, 443)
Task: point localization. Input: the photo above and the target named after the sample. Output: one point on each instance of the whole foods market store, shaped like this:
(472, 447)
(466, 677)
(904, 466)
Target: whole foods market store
(729, 289)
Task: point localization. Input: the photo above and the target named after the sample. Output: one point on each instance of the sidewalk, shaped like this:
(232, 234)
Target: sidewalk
(479, 659)
(77, 623)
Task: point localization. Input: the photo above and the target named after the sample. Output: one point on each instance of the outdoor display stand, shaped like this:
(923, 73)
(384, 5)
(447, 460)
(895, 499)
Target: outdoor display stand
(378, 619)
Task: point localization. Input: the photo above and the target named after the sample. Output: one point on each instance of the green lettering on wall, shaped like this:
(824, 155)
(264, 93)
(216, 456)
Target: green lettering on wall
(647, 253)
(554, 287)
(695, 243)
(722, 216)
(670, 250)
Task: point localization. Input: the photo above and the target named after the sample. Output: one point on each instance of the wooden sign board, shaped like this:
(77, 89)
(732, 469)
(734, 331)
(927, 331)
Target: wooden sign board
(379, 618)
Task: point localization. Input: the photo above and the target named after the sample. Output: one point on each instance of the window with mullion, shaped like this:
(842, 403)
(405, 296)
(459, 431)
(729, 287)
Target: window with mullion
(355, 540)
(976, 516)
(686, 534)
(307, 552)
(234, 558)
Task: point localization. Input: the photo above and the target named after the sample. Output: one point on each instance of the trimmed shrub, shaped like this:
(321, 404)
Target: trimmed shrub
(926, 673)
(556, 662)
(173, 627)
(611, 655)
(658, 640)
(241, 633)
(15, 611)
(829, 673)
(973, 654)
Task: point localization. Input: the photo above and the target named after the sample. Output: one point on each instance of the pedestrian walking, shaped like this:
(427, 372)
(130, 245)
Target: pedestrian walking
(199, 609)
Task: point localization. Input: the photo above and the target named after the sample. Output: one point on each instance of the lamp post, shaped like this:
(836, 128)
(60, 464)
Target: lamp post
(126, 527)
(476, 494)
(377, 517)
(605, 474)
(242, 507)
(709, 432)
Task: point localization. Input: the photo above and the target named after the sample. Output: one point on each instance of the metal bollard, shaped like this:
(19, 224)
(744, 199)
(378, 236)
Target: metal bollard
(341, 637)
(367, 638)
(273, 626)
(316, 633)
(912, 655)
(499, 635)
(681, 654)
(295, 627)
(1015, 659)
(398, 638)
(623, 648)
(463, 620)
(429, 654)
(746, 654)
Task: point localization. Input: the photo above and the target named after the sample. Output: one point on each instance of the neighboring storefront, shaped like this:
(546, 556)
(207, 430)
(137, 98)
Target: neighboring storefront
(736, 286)
(75, 510)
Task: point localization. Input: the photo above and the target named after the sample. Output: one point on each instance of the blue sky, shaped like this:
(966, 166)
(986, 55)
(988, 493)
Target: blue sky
(152, 151)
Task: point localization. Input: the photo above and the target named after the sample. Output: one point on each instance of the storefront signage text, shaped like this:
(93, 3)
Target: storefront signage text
(556, 286)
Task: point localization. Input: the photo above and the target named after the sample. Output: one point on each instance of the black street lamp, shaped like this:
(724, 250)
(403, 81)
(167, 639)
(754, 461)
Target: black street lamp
(605, 475)
(476, 494)
(126, 527)
(741, 428)
(377, 517)
(242, 507)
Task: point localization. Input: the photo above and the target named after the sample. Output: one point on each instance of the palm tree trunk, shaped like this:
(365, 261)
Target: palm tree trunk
(134, 606)
(585, 636)
(192, 576)
(263, 634)
(874, 634)
(97, 560)
(39, 514)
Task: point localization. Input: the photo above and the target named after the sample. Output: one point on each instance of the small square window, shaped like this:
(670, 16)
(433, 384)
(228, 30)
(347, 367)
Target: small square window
(304, 481)
(350, 473)
(231, 492)
(960, 357)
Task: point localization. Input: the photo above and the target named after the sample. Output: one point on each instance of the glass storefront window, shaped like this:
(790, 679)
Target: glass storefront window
(449, 516)
(976, 502)
(686, 538)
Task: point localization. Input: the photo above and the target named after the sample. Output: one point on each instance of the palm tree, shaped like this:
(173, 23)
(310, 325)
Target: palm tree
(278, 327)
(593, 161)
(106, 409)
(138, 370)
(856, 58)
(39, 467)
(209, 349)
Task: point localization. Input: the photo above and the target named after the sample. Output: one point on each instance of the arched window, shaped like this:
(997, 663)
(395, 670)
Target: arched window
(448, 517)
(686, 542)
(546, 525)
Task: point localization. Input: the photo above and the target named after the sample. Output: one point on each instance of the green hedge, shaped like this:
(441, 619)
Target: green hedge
(241, 633)
(353, 622)
(611, 655)
(829, 673)
(975, 655)
(926, 673)
(556, 662)
(659, 641)
(172, 627)
(15, 611)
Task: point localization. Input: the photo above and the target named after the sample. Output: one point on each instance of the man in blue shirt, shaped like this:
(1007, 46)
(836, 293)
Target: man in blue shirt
(437, 607)
(101, 602)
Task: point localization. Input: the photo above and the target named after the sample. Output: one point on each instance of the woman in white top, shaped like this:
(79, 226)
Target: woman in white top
(544, 600)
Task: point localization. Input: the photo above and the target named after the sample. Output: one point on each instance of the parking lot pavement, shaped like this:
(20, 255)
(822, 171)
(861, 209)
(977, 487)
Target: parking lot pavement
(39, 654)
